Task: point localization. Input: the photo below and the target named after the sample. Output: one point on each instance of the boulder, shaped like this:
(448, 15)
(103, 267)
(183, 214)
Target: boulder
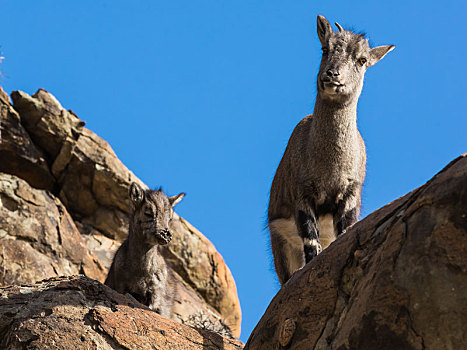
(80, 313)
(395, 280)
(19, 156)
(94, 185)
(93, 182)
(103, 247)
(50, 125)
(38, 238)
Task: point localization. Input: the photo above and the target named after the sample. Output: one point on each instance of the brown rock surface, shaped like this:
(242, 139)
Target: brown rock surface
(80, 313)
(92, 184)
(18, 155)
(396, 280)
(48, 123)
(103, 247)
(38, 238)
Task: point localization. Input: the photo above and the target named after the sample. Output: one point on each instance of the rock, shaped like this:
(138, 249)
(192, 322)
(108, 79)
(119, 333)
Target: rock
(49, 124)
(19, 156)
(192, 256)
(395, 280)
(4, 96)
(80, 313)
(103, 247)
(190, 309)
(93, 184)
(38, 237)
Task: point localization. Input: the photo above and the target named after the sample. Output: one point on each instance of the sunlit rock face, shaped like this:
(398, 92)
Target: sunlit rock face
(77, 312)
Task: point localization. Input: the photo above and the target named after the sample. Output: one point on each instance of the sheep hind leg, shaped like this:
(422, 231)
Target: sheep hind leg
(287, 248)
(347, 213)
(349, 218)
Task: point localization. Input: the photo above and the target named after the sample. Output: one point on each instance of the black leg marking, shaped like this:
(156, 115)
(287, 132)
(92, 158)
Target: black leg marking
(309, 233)
(346, 220)
(311, 250)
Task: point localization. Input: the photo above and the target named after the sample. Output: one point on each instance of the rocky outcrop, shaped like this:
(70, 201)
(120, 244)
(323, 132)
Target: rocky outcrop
(80, 313)
(19, 156)
(92, 182)
(396, 280)
(82, 188)
(38, 237)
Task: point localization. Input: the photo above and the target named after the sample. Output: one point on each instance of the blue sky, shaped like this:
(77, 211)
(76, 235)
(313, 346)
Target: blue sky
(201, 97)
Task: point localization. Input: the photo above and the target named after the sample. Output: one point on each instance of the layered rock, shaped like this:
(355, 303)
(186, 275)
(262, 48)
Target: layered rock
(50, 148)
(93, 183)
(396, 280)
(80, 313)
(38, 237)
(19, 156)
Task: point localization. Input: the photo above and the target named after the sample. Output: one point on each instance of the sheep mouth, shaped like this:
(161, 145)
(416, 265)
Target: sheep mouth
(331, 86)
(326, 82)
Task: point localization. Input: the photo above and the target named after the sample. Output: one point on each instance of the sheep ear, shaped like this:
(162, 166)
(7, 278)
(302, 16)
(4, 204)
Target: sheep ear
(324, 30)
(136, 194)
(174, 200)
(379, 52)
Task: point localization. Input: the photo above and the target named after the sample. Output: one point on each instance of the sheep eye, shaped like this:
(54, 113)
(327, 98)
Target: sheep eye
(362, 60)
(325, 50)
(148, 212)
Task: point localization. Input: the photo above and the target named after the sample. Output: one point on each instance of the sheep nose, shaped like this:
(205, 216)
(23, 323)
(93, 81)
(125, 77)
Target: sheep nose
(332, 72)
(167, 234)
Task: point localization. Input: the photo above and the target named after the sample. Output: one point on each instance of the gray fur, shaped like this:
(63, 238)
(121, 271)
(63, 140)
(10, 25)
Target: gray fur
(138, 267)
(316, 192)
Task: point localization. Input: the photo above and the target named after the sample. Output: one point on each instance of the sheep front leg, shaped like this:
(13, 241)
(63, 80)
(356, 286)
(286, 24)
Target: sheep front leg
(308, 230)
